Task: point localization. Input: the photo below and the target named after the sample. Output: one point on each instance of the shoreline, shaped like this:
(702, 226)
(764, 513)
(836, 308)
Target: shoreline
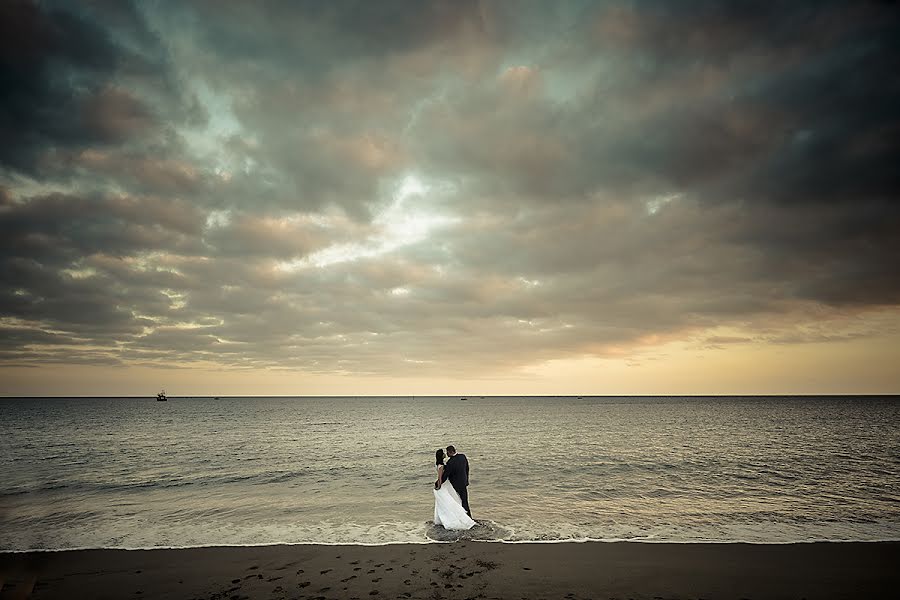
(429, 541)
(463, 570)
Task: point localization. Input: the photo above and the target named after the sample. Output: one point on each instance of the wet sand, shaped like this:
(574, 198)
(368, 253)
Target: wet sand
(464, 570)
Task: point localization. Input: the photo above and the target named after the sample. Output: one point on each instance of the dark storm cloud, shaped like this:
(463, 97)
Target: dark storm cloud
(69, 227)
(53, 67)
(801, 95)
(396, 188)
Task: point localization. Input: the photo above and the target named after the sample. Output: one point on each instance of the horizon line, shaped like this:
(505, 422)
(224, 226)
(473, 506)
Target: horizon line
(461, 396)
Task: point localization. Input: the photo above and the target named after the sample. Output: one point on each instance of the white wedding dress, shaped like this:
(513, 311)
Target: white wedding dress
(448, 510)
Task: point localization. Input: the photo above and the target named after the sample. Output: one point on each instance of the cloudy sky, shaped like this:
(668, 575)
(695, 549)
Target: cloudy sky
(449, 197)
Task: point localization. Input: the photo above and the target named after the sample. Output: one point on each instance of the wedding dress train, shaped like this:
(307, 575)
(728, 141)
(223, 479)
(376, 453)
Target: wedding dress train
(448, 510)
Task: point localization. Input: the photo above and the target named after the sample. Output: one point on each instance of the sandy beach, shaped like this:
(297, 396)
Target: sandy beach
(461, 571)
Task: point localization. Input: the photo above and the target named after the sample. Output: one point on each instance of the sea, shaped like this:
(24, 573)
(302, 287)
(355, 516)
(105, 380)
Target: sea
(137, 473)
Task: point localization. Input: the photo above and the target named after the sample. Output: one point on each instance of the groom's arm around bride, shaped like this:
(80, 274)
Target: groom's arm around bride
(457, 471)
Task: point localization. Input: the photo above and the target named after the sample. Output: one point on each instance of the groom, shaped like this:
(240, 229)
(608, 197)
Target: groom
(457, 471)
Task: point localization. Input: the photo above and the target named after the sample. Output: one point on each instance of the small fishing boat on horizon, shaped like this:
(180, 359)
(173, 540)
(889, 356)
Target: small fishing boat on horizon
(161, 396)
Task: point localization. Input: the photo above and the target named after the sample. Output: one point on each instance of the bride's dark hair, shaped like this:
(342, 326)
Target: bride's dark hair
(439, 456)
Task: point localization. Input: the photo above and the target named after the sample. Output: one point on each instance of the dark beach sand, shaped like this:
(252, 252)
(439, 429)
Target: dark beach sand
(462, 570)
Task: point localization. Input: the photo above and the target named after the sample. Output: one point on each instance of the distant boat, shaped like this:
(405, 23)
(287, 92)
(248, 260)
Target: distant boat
(161, 397)
(463, 398)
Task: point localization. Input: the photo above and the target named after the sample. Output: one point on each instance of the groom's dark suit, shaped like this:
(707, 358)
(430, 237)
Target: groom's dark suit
(457, 471)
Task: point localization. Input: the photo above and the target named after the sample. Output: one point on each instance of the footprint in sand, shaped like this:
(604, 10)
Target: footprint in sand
(325, 571)
(304, 584)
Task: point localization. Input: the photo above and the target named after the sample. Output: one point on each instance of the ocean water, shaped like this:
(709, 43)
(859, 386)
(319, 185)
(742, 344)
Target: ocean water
(134, 473)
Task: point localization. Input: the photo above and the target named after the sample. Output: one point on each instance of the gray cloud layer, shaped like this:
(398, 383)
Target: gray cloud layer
(396, 187)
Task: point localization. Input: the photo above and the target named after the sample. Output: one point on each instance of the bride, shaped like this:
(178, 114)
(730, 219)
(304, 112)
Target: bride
(448, 510)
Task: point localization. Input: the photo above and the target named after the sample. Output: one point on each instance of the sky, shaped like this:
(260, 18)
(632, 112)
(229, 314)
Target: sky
(409, 198)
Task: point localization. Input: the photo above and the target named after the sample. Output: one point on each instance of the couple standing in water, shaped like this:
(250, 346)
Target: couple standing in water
(451, 496)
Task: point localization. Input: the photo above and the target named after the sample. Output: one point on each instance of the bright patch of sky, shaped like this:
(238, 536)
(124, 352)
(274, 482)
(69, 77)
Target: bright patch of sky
(151, 261)
(218, 219)
(177, 299)
(83, 273)
(401, 223)
(221, 124)
(655, 204)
